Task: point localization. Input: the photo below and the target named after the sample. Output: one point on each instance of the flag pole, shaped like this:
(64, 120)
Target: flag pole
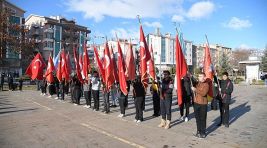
(177, 31)
(216, 72)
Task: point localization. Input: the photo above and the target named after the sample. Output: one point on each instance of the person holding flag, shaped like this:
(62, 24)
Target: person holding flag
(123, 92)
(49, 76)
(154, 89)
(166, 99)
(201, 90)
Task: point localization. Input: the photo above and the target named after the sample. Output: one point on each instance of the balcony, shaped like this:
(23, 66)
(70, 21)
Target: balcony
(49, 30)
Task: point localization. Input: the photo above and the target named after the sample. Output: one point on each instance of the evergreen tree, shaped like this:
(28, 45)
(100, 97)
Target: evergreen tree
(224, 64)
(264, 61)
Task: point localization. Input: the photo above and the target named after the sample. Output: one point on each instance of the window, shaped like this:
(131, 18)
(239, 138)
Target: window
(163, 50)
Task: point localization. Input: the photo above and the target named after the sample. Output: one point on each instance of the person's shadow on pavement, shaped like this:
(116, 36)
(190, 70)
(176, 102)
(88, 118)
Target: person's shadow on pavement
(235, 113)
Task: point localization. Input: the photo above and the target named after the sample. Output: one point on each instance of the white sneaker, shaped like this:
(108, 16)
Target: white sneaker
(121, 115)
(138, 121)
(181, 118)
(88, 106)
(56, 98)
(85, 106)
(75, 104)
(135, 120)
(186, 119)
(49, 96)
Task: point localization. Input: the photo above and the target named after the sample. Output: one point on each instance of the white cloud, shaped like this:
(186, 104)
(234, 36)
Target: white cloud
(237, 23)
(125, 34)
(243, 46)
(99, 9)
(153, 24)
(178, 18)
(201, 10)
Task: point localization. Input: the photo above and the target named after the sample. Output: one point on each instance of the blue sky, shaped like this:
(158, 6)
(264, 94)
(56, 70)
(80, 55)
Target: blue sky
(232, 23)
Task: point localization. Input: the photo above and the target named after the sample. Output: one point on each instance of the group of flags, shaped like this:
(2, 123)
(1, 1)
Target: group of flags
(115, 71)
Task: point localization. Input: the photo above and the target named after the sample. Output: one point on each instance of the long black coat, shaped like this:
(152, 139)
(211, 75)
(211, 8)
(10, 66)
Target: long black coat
(227, 88)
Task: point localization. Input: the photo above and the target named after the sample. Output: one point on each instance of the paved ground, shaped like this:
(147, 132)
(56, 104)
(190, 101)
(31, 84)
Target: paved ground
(30, 120)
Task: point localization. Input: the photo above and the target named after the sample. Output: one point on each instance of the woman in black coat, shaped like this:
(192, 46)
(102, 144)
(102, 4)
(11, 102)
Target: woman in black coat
(77, 91)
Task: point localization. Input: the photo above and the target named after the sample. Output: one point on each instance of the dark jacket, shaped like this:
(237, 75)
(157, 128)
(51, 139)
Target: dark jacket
(166, 88)
(215, 88)
(138, 90)
(77, 89)
(226, 90)
(186, 88)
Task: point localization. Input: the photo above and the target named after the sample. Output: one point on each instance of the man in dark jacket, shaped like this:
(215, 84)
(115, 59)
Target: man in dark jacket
(166, 100)
(200, 104)
(138, 95)
(226, 91)
(187, 94)
(154, 89)
(2, 81)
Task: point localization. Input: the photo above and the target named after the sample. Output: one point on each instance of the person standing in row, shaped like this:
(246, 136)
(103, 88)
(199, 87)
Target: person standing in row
(122, 102)
(10, 82)
(2, 81)
(106, 99)
(138, 95)
(154, 89)
(57, 87)
(62, 89)
(95, 90)
(87, 87)
(43, 85)
(20, 84)
(200, 105)
(77, 91)
(166, 100)
(226, 91)
(114, 95)
(187, 95)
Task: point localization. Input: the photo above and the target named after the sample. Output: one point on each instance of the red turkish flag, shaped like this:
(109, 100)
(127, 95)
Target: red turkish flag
(130, 62)
(35, 69)
(86, 63)
(59, 69)
(151, 67)
(49, 70)
(181, 70)
(68, 62)
(208, 70)
(144, 58)
(122, 78)
(109, 69)
(64, 66)
(77, 66)
(99, 64)
(113, 62)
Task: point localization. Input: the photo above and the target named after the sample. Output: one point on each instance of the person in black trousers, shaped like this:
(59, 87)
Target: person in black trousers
(226, 91)
(128, 90)
(87, 90)
(154, 89)
(201, 89)
(57, 87)
(62, 89)
(122, 102)
(10, 82)
(138, 95)
(166, 100)
(77, 91)
(106, 108)
(2, 81)
(95, 90)
(20, 84)
(187, 95)
(216, 94)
